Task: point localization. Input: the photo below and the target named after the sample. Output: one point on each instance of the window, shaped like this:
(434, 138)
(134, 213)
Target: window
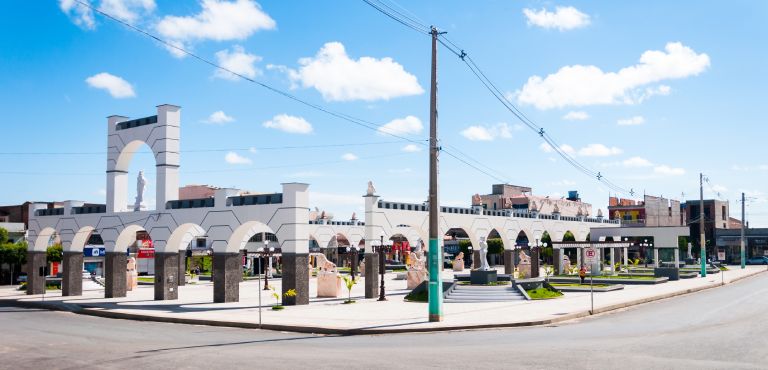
(723, 213)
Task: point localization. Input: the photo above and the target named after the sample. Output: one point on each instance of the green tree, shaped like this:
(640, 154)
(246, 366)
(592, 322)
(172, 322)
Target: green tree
(54, 253)
(568, 237)
(546, 252)
(3, 236)
(495, 246)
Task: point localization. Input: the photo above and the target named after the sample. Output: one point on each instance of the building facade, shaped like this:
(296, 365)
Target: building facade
(651, 211)
(520, 199)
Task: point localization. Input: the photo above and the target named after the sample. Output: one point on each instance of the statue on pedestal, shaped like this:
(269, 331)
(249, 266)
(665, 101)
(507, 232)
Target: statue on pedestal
(458, 263)
(371, 190)
(417, 271)
(328, 279)
(141, 185)
(484, 256)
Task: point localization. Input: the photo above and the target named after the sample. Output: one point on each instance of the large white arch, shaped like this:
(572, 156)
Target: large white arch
(181, 237)
(80, 239)
(242, 234)
(126, 238)
(43, 239)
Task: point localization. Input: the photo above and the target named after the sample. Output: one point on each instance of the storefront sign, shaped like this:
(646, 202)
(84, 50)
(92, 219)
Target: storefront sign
(146, 253)
(94, 252)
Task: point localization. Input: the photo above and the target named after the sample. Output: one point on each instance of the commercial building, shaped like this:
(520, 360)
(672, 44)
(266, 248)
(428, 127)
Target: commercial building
(716, 216)
(651, 211)
(729, 243)
(520, 199)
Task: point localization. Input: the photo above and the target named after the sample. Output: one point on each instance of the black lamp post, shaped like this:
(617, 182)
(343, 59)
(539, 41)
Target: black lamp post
(353, 252)
(382, 256)
(268, 251)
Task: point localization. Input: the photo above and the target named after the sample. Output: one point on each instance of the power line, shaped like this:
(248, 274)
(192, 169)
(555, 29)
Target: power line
(501, 97)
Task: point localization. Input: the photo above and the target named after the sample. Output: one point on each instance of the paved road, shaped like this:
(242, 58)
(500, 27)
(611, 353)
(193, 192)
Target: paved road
(715, 329)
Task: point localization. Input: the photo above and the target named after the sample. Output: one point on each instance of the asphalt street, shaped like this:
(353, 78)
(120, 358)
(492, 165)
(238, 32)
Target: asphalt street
(721, 328)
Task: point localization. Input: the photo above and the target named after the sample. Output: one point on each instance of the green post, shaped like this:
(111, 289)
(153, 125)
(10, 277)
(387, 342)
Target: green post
(435, 282)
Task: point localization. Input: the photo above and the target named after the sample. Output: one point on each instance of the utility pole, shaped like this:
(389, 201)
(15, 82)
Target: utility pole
(743, 251)
(703, 254)
(435, 294)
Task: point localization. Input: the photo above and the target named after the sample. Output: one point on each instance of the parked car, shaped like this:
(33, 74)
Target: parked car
(761, 260)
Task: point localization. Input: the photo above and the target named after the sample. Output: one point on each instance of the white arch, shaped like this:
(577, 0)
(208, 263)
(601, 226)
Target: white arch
(181, 237)
(126, 154)
(243, 233)
(80, 239)
(43, 239)
(126, 238)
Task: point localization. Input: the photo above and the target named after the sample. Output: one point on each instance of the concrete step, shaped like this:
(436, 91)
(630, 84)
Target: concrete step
(473, 293)
(496, 299)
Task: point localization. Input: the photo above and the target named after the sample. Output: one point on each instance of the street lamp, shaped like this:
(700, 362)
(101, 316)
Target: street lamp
(382, 250)
(268, 251)
(354, 252)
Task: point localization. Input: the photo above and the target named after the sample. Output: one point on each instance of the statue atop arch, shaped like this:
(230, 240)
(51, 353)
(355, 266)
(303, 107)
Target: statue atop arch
(371, 189)
(141, 186)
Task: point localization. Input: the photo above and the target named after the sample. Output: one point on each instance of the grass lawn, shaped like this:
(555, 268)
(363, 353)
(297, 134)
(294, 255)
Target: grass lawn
(146, 279)
(633, 277)
(497, 283)
(579, 285)
(543, 293)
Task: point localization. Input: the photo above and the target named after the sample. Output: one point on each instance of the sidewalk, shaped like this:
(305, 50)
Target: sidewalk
(367, 316)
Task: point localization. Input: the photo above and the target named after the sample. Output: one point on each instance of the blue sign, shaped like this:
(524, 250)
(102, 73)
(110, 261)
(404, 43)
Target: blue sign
(94, 251)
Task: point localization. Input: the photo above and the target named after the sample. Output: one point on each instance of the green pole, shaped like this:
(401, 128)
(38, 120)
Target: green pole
(435, 291)
(435, 282)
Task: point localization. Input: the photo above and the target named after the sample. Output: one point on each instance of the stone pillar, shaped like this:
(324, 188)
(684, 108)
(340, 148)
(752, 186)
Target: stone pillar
(35, 261)
(182, 267)
(578, 257)
(72, 280)
(677, 257)
(115, 280)
(509, 259)
(626, 256)
(535, 261)
(656, 257)
(166, 276)
(371, 275)
(557, 261)
(226, 277)
(613, 259)
(475, 259)
(296, 276)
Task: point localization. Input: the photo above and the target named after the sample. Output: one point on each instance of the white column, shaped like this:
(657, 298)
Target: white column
(167, 154)
(677, 257)
(371, 227)
(613, 251)
(656, 257)
(626, 256)
(578, 257)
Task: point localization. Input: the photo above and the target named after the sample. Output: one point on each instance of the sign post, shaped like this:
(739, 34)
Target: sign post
(590, 255)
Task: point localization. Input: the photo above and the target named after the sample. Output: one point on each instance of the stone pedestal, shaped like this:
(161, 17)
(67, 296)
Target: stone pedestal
(328, 285)
(296, 276)
(415, 277)
(482, 277)
(458, 265)
(371, 275)
(182, 267)
(35, 282)
(167, 276)
(115, 267)
(72, 280)
(227, 273)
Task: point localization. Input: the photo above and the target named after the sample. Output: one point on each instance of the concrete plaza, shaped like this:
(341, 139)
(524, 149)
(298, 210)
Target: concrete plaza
(367, 315)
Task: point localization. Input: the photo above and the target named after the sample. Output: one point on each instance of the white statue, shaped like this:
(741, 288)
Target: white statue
(484, 256)
(371, 189)
(690, 255)
(141, 185)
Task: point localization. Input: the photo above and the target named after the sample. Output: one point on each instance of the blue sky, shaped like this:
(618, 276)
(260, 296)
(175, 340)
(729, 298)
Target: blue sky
(649, 93)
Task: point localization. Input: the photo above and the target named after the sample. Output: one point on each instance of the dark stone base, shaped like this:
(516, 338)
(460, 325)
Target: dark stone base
(535, 262)
(115, 268)
(296, 276)
(182, 267)
(509, 260)
(671, 272)
(481, 277)
(166, 276)
(227, 273)
(35, 282)
(72, 280)
(371, 275)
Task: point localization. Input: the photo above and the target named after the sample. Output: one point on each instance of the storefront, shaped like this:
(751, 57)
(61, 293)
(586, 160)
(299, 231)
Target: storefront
(729, 243)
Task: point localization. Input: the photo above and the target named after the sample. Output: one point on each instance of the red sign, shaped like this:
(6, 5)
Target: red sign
(146, 253)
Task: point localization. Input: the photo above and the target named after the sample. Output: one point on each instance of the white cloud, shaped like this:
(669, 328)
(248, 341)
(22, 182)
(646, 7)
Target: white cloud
(80, 14)
(409, 125)
(127, 10)
(339, 78)
(563, 18)
(567, 149)
(289, 124)
(599, 150)
(668, 171)
(737, 167)
(349, 157)
(487, 133)
(116, 86)
(636, 162)
(218, 21)
(411, 148)
(234, 158)
(632, 121)
(238, 61)
(219, 118)
(576, 116)
(580, 85)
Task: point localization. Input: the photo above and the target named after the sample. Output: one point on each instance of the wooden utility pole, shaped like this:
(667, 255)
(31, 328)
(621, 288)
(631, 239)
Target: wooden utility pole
(435, 294)
(703, 254)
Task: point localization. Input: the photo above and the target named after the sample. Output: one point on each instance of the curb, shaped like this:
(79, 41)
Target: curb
(98, 312)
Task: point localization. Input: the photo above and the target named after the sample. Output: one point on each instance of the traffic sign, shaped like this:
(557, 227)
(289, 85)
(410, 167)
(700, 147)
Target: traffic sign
(591, 255)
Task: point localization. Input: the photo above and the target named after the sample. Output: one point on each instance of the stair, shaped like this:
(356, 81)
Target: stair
(97, 280)
(479, 293)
